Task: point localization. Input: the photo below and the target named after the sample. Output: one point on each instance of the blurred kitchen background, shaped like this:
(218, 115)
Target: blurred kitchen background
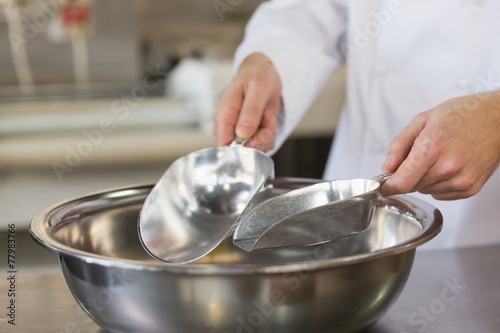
(99, 94)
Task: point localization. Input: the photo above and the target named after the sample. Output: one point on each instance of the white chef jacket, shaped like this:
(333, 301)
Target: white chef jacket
(403, 57)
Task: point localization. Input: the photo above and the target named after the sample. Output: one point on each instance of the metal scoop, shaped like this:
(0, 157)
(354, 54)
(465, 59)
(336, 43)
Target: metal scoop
(310, 215)
(195, 204)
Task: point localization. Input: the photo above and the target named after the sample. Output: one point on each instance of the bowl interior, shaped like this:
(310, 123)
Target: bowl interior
(106, 225)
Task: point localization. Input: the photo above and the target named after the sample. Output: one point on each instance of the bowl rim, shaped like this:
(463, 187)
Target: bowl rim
(429, 217)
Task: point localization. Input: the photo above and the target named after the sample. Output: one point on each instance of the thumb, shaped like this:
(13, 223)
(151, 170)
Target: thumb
(402, 143)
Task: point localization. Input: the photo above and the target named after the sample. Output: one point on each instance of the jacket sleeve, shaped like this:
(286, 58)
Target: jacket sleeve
(303, 40)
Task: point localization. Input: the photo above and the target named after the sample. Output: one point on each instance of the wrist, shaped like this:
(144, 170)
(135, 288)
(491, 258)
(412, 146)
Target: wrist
(493, 105)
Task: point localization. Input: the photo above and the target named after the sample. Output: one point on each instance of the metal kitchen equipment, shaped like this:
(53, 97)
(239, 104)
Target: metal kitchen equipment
(195, 204)
(343, 286)
(310, 215)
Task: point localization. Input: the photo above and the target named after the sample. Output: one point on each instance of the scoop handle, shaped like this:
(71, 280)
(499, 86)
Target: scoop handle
(382, 178)
(238, 142)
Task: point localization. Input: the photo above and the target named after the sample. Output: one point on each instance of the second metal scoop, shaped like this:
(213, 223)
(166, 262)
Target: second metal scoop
(310, 215)
(195, 204)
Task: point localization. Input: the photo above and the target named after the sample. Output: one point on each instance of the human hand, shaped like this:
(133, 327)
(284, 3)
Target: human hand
(250, 105)
(449, 151)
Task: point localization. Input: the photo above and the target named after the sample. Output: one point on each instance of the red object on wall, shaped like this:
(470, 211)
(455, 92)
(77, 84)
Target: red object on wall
(74, 14)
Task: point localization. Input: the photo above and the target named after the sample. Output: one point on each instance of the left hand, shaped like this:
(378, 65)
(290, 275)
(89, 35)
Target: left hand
(449, 151)
(250, 106)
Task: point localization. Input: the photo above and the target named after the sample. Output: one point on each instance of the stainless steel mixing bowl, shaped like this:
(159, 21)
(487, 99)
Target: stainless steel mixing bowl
(345, 286)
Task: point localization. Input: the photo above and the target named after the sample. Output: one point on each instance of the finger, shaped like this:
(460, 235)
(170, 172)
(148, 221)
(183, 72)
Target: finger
(438, 187)
(403, 156)
(262, 140)
(461, 185)
(402, 144)
(265, 137)
(455, 195)
(227, 114)
(434, 176)
(456, 188)
(421, 158)
(252, 110)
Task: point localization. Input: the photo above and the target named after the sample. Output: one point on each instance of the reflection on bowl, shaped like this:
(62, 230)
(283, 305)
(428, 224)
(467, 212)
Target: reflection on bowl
(345, 286)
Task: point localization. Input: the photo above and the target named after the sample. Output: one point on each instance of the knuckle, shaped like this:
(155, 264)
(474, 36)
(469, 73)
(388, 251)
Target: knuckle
(450, 169)
(267, 136)
(272, 120)
(397, 142)
(259, 81)
(265, 139)
(421, 116)
(465, 185)
(429, 148)
(424, 115)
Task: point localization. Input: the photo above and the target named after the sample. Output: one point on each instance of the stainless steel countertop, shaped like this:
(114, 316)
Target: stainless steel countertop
(448, 291)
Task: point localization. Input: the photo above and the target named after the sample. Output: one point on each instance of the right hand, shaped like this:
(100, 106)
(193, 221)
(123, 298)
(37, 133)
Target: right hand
(250, 105)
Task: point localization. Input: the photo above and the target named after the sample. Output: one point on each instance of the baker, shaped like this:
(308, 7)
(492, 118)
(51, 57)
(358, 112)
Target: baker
(423, 99)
